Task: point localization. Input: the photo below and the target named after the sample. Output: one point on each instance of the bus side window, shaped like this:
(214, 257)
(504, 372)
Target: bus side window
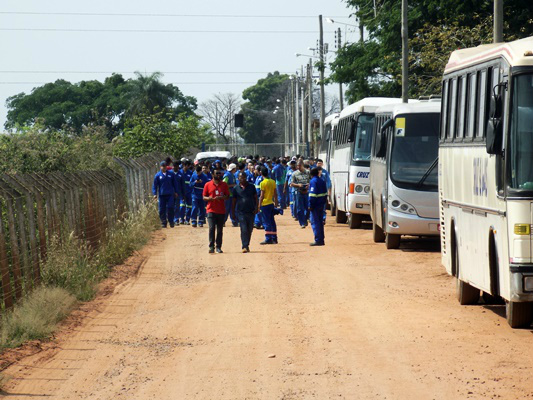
(453, 110)
(471, 107)
(444, 112)
(461, 94)
(482, 103)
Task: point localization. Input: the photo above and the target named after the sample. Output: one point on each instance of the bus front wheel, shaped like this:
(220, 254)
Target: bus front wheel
(466, 293)
(377, 233)
(519, 315)
(341, 217)
(355, 221)
(392, 241)
(332, 209)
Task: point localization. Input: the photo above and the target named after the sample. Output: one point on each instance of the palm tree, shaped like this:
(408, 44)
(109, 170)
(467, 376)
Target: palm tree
(147, 93)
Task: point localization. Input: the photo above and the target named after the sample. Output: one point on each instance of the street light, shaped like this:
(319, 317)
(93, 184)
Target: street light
(331, 21)
(305, 55)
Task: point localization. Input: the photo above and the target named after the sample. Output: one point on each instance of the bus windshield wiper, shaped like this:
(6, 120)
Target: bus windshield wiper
(426, 174)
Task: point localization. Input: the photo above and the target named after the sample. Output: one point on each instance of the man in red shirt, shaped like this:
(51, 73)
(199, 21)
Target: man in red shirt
(215, 194)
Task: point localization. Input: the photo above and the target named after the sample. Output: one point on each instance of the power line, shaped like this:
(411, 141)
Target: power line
(132, 72)
(174, 83)
(145, 30)
(159, 15)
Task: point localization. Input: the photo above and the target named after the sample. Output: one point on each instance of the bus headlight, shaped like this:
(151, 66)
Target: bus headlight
(395, 203)
(367, 189)
(401, 206)
(358, 188)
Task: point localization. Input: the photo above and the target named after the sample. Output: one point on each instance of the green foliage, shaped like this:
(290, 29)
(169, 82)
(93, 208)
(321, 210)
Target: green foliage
(72, 265)
(36, 149)
(36, 316)
(258, 126)
(64, 105)
(159, 131)
(373, 67)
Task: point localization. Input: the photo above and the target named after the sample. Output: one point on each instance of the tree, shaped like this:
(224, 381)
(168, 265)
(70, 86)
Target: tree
(219, 113)
(373, 68)
(259, 126)
(62, 105)
(158, 131)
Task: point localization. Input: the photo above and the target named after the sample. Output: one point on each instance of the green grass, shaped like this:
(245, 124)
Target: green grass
(71, 273)
(36, 316)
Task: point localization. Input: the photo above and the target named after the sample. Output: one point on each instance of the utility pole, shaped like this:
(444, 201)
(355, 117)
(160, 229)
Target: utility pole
(498, 21)
(405, 55)
(296, 112)
(304, 106)
(322, 65)
(339, 44)
(310, 105)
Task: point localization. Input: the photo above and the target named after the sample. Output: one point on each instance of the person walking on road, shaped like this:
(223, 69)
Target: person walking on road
(186, 203)
(231, 181)
(279, 173)
(300, 182)
(318, 193)
(244, 205)
(198, 181)
(181, 192)
(165, 187)
(215, 193)
(268, 201)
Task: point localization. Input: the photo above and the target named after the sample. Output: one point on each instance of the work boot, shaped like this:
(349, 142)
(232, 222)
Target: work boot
(219, 251)
(266, 242)
(317, 244)
(211, 250)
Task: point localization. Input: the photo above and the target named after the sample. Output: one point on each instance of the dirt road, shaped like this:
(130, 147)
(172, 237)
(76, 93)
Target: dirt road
(347, 321)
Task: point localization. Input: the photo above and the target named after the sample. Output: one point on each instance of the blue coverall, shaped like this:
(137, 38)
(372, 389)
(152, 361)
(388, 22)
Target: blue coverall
(325, 177)
(290, 190)
(279, 173)
(318, 192)
(177, 200)
(165, 187)
(258, 220)
(198, 204)
(186, 201)
(229, 178)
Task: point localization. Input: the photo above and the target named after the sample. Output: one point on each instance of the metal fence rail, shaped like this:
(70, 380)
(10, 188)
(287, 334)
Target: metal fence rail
(263, 149)
(35, 208)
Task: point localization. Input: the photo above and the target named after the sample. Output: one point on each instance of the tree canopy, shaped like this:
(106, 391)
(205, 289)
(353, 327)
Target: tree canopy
(260, 124)
(72, 106)
(373, 67)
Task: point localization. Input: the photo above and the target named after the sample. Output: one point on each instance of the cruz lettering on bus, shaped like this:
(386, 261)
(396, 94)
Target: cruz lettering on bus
(363, 175)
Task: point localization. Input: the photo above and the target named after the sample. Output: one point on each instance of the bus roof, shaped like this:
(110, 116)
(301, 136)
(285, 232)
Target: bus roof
(415, 107)
(514, 52)
(368, 104)
(330, 118)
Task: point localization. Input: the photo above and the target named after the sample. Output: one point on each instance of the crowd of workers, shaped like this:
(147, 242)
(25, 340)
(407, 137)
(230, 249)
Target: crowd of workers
(249, 192)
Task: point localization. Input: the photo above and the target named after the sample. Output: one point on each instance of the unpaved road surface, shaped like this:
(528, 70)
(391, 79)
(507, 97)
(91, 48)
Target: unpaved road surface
(347, 321)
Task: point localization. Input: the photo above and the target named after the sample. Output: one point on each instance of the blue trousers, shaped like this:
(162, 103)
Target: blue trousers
(281, 196)
(229, 214)
(166, 209)
(269, 223)
(186, 208)
(302, 205)
(177, 205)
(258, 219)
(291, 201)
(246, 223)
(317, 223)
(198, 210)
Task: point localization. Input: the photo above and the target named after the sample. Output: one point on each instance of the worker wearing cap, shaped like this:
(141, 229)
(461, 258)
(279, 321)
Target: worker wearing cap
(198, 181)
(268, 201)
(258, 220)
(229, 178)
(186, 201)
(165, 187)
(318, 193)
(180, 191)
(288, 187)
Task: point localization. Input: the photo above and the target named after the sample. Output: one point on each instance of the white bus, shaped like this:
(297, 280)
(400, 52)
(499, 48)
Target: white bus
(404, 178)
(350, 160)
(330, 124)
(486, 175)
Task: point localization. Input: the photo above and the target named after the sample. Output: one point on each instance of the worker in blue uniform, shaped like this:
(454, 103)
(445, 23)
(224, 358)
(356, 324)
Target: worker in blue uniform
(198, 181)
(258, 220)
(318, 193)
(181, 193)
(279, 173)
(324, 175)
(186, 201)
(165, 188)
(288, 188)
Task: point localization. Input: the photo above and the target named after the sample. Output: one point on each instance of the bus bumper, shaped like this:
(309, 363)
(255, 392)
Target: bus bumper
(359, 203)
(521, 282)
(405, 224)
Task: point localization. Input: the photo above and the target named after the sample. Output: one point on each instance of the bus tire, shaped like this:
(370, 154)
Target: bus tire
(466, 293)
(392, 241)
(355, 221)
(333, 209)
(340, 217)
(519, 315)
(377, 233)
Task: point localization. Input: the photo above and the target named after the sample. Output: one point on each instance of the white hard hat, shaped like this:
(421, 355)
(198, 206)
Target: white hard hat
(231, 167)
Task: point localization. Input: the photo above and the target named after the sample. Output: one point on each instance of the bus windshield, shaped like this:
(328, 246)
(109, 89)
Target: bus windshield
(521, 137)
(415, 147)
(363, 137)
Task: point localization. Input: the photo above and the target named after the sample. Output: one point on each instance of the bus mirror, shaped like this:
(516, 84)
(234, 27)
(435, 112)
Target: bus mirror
(494, 136)
(351, 136)
(382, 138)
(495, 110)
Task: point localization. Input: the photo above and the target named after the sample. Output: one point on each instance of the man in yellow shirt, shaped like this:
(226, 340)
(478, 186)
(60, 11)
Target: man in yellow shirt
(268, 200)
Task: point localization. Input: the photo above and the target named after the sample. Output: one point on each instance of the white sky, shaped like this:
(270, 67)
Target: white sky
(126, 52)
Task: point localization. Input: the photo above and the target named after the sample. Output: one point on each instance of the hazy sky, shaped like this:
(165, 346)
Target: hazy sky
(200, 63)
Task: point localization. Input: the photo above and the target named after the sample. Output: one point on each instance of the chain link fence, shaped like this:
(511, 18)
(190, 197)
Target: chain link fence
(35, 208)
(263, 149)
